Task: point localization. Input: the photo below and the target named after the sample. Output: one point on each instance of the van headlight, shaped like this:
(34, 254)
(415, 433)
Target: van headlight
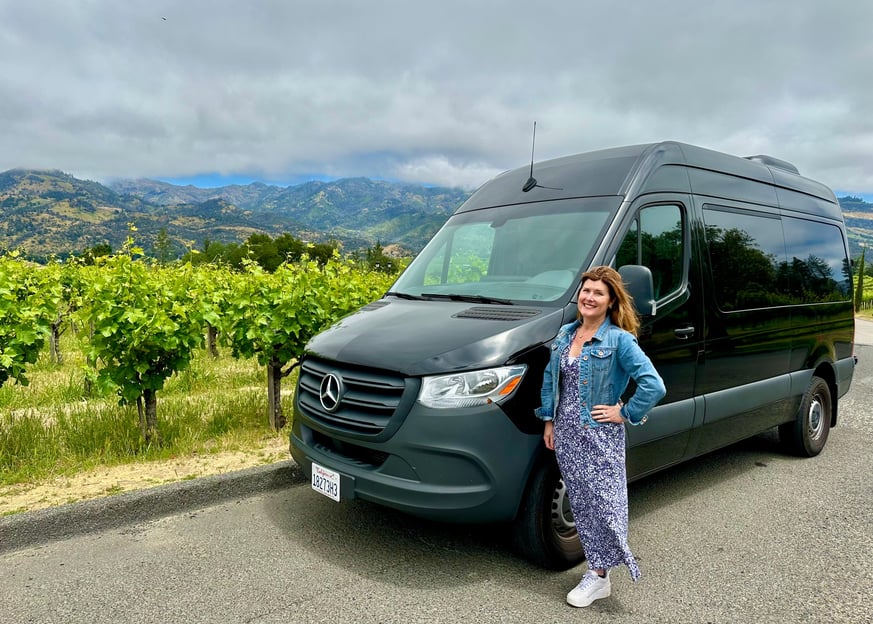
(471, 389)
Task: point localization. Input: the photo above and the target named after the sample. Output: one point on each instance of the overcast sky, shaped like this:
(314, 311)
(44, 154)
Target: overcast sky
(438, 92)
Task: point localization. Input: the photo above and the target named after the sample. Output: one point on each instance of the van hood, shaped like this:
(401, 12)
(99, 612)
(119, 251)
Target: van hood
(417, 338)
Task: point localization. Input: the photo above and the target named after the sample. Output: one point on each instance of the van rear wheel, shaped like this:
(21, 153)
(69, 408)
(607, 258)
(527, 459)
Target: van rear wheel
(807, 434)
(544, 531)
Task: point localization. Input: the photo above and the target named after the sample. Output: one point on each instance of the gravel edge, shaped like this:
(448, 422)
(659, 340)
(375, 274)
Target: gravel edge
(33, 528)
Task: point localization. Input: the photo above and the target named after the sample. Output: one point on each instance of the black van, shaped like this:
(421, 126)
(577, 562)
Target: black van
(424, 400)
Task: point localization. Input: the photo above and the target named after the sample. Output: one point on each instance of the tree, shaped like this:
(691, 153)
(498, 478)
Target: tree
(100, 250)
(290, 248)
(210, 287)
(66, 299)
(162, 249)
(262, 250)
(272, 316)
(322, 252)
(216, 252)
(378, 261)
(859, 289)
(145, 328)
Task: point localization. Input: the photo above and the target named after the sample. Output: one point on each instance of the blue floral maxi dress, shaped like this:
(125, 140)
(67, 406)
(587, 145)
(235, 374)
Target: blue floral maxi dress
(592, 462)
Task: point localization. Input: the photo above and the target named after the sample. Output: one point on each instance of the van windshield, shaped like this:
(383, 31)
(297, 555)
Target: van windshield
(510, 254)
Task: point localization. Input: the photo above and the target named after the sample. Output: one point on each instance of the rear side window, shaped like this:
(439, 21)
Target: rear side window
(761, 260)
(656, 240)
(818, 267)
(746, 250)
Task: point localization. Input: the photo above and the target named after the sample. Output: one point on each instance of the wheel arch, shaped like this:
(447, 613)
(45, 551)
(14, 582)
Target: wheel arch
(825, 370)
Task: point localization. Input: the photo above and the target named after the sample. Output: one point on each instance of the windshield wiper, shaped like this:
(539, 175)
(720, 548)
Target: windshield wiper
(469, 298)
(401, 295)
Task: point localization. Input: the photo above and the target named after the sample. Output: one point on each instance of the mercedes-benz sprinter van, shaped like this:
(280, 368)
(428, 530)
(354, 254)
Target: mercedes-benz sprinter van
(424, 400)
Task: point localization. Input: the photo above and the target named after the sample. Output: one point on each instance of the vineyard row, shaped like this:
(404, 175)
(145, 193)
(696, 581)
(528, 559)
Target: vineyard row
(144, 321)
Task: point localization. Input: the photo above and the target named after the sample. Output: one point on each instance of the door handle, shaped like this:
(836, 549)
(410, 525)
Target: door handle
(684, 333)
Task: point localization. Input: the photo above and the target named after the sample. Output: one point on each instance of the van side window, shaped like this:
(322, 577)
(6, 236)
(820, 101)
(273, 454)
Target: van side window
(746, 251)
(656, 240)
(818, 268)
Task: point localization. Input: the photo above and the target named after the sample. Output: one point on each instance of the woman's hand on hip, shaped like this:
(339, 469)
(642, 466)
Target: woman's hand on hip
(607, 413)
(549, 435)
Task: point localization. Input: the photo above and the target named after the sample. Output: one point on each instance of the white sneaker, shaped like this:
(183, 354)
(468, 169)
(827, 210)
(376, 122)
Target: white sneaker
(589, 589)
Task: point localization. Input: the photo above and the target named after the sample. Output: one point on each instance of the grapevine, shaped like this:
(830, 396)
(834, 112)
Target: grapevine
(27, 308)
(144, 321)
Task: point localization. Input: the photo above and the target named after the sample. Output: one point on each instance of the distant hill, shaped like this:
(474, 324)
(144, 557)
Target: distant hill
(347, 209)
(53, 213)
(859, 223)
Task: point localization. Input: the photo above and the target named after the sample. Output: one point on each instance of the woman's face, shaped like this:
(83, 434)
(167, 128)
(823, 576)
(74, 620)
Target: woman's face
(594, 300)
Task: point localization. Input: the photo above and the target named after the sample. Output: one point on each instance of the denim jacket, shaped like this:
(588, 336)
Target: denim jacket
(608, 362)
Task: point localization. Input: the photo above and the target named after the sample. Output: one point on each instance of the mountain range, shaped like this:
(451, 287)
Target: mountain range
(47, 213)
(52, 213)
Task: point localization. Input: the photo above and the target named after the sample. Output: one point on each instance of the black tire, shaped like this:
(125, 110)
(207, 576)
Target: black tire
(807, 434)
(544, 531)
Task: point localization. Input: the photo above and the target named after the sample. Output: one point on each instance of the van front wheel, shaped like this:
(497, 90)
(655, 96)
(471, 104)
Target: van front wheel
(807, 434)
(544, 531)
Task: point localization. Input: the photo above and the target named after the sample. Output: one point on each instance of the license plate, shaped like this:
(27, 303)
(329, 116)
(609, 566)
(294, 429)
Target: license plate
(325, 481)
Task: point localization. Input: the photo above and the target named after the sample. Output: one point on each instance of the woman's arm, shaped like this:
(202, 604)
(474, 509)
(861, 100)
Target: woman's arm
(547, 399)
(650, 386)
(549, 435)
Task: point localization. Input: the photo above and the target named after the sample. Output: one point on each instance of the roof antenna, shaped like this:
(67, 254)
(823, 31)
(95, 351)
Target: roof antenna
(532, 181)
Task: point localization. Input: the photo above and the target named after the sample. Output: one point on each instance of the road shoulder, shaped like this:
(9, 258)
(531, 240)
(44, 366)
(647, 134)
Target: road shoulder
(32, 528)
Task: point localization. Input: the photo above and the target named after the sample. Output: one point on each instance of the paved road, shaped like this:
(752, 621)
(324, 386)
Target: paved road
(744, 534)
(863, 332)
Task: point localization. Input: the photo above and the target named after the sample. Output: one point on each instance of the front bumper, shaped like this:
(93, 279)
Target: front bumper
(459, 465)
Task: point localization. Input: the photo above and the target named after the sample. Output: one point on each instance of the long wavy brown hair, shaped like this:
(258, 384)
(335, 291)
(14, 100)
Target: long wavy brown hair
(621, 311)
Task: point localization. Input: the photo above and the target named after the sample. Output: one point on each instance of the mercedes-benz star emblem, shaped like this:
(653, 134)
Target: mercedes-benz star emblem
(331, 392)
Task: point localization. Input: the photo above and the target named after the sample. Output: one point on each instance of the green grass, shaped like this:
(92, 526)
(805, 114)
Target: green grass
(52, 428)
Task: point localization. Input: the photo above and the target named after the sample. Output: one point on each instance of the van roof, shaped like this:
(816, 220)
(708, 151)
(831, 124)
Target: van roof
(652, 167)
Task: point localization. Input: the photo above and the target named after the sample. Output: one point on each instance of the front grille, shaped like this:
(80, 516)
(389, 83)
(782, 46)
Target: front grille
(368, 401)
(353, 453)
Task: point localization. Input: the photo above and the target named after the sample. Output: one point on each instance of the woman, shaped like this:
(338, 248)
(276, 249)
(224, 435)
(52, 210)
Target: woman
(592, 360)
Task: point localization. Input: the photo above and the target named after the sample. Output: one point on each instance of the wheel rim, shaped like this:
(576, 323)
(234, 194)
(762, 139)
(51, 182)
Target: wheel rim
(562, 515)
(815, 418)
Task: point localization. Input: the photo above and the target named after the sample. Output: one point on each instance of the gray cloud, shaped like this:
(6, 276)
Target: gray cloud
(441, 93)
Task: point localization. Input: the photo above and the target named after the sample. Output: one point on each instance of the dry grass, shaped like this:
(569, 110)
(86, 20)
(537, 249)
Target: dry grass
(108, 480)
(58, 445)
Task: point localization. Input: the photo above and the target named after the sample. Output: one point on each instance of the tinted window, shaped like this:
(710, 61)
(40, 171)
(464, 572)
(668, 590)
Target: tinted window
(818, 267)
(754, 266)
(656, 240)
(746, 251)
(467, 257)
(528, 252)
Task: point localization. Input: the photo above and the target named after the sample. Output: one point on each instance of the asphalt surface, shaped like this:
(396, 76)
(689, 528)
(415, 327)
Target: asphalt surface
(55, 523)
(863, 332)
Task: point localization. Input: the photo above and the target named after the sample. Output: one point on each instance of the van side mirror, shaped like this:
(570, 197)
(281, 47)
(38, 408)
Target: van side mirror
(638, 281)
